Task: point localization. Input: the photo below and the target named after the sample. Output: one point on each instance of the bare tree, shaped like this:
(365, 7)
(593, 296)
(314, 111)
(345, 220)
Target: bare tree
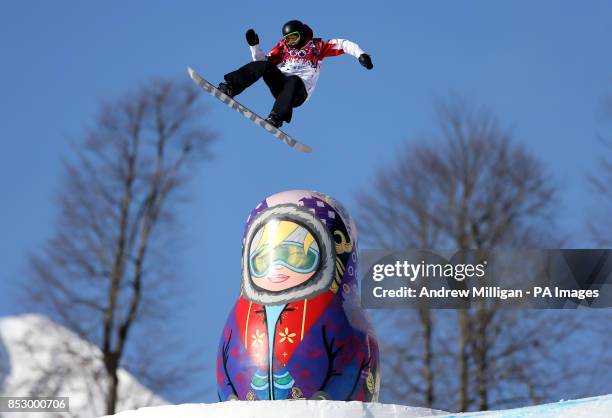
(107, 273)
(600, 179)
(471, 187)
(599, 225)
(598, 222)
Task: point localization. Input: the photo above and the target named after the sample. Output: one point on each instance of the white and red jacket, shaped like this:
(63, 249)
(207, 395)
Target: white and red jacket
(306, 62)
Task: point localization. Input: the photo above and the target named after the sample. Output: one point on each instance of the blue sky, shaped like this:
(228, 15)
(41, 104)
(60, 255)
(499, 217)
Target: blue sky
(544, 67)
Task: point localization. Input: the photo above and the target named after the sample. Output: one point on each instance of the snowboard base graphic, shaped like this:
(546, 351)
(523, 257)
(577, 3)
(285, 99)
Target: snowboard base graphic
(247, 113)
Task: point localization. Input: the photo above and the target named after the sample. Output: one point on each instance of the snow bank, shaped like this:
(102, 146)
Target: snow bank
(41, 358)
(599, 407)
(282, 409)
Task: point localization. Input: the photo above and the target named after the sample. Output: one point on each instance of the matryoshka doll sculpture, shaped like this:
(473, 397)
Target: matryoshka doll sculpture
(297, 330)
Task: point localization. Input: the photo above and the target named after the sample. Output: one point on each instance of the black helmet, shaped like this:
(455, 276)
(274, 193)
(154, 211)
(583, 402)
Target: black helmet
(294, 33)
(293, 26)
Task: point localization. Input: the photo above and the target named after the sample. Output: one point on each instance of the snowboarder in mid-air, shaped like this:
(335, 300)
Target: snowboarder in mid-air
(290, 69)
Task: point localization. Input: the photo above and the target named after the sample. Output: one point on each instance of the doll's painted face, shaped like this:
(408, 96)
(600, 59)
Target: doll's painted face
(283, 254)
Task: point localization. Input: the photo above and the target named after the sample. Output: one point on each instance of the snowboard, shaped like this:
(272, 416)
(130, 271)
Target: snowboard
(247, 113)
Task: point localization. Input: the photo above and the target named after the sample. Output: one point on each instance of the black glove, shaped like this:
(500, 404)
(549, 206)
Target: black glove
(366, 61)
(252, 37)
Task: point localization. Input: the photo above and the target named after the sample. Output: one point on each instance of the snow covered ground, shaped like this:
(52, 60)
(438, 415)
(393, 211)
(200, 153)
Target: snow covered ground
(282, 409)
(599, 407)
(40, 358)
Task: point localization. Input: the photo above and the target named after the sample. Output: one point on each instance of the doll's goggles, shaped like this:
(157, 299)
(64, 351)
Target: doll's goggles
(283, 243)
(292, 38)
(288, 254)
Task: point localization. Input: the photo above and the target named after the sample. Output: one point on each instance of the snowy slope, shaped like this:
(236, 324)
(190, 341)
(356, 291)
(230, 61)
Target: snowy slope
(281, 409)
(5, 365)
(41, 358)
(599, 407)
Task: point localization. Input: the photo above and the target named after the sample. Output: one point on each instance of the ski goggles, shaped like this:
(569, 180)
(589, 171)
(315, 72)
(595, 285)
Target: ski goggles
(293, 38)
(288, 254)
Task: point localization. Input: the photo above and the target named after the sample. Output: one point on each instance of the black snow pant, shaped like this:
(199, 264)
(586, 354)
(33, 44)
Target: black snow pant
(289, 91)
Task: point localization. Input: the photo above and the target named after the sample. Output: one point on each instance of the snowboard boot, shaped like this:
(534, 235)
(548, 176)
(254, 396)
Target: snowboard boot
(274, 120)
(226, 89)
